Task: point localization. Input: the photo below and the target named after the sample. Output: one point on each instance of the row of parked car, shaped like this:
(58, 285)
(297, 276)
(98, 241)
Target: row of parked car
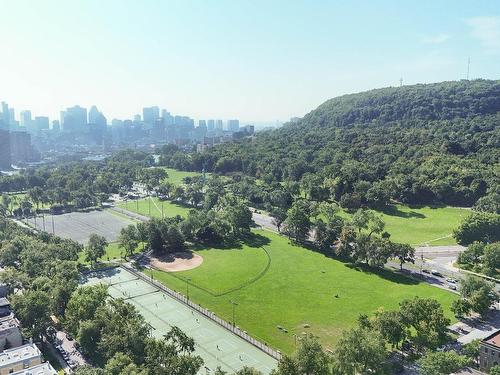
(72, 365)
(452, 283)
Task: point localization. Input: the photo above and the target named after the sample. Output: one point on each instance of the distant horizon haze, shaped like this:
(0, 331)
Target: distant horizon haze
(257, 61)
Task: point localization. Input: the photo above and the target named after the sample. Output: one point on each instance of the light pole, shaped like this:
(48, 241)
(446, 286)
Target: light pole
(234, 304)
(187, 287)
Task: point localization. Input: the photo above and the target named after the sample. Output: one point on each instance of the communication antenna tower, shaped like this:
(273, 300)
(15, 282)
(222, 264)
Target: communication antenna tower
(468, 68)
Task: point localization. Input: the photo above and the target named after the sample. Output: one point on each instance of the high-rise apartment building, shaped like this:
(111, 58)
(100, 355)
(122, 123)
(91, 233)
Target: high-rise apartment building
(150, 115)
(233, 125)
(5, 158)
(218, 124)
(25, 119)
(5, 115)
(41, 123)
(74, 119)
(210, 125)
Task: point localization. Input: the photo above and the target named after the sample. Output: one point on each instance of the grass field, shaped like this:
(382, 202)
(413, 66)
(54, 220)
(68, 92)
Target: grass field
(154, 208)
(175, 176)
(421, 225)
(113, 252)
(298, 288)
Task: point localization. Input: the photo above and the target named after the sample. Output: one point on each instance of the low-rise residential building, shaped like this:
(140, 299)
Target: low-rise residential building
(42, 369)
(489, 352)
(10, 333)
(21, 358)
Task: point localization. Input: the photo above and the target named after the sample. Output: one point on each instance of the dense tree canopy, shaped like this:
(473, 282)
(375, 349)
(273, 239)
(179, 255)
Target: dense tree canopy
(415, 144)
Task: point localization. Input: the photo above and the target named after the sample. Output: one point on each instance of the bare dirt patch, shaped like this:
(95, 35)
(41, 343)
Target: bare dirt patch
(176, 262)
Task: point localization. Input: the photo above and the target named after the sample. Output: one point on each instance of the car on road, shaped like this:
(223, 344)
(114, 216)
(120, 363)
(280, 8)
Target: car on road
(436, 273)
(451, 281)
(452, 286)
(426, 271)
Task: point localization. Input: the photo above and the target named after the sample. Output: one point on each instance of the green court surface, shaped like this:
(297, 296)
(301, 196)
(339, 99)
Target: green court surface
(153, 207)
(216, 345)
(421, 225)
(297, 289)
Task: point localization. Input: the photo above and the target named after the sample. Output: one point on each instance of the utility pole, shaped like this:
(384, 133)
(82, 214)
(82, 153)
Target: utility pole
(468, 68)
(53, 226)
(234, 305)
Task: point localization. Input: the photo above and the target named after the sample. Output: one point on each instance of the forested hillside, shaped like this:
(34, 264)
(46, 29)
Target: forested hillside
(435, 143)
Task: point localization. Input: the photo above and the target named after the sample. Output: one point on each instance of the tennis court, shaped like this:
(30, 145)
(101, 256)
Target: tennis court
(215, 344)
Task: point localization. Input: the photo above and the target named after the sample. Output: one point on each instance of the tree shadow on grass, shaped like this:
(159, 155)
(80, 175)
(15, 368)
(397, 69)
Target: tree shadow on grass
(383, 273)
(250, 240)
(256, 240)
(395, 211)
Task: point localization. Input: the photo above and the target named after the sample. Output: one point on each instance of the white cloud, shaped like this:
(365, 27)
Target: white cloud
(435, 39)
(487, 31)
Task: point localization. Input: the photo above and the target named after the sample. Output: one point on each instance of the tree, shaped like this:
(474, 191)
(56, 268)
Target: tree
(404, 252)
(390, 326)
(478, 293)
(83, 305)
(471, 350)
(298, 222)
(279, 216)
(248, 371)
(480, 226)
(491, 259)
(442, 363)
(311, 359)
(32, 309)
(425, 321)
(129, 239)
(495, 370)
(121, 364)
(360, 351)
(96, 248)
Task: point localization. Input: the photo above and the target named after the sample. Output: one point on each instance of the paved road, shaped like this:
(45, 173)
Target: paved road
(69, 347)
(263, 220)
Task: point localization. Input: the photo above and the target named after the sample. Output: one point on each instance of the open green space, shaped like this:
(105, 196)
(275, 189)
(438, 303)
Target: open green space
(175, 177)
(299, 287)
(152, 207)
(421, 225)
(113, 252)
(217, 262)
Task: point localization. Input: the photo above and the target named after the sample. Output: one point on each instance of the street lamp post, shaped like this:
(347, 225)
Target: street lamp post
(187, 287)
(234, 304)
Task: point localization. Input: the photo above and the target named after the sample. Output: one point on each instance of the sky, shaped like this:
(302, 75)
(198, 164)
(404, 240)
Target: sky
(252, 60)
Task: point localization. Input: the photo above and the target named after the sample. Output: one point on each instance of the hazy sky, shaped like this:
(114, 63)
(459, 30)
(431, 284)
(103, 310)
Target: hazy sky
(253, 60)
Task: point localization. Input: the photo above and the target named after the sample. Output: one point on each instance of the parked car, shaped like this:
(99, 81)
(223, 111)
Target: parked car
(426, 271)
(436, 273)
(452, 286)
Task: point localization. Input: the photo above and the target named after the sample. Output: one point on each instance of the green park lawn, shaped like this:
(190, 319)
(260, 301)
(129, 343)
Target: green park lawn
(421, 225)
(113, 252)
(152, 207)
(298, 288)
(175, 177)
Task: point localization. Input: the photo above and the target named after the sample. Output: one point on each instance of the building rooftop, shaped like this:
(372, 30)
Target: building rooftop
(493, 339)
(18, 354)
(41, 369)
(4, 302)
(8, 322)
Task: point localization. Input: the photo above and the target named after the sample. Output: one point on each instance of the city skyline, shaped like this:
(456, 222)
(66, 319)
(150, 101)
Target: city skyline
(257, 61)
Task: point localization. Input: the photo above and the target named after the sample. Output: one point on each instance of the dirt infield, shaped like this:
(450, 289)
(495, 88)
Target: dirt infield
(182, 261)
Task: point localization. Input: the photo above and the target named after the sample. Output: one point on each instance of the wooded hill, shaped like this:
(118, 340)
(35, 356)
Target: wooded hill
(433, 143)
